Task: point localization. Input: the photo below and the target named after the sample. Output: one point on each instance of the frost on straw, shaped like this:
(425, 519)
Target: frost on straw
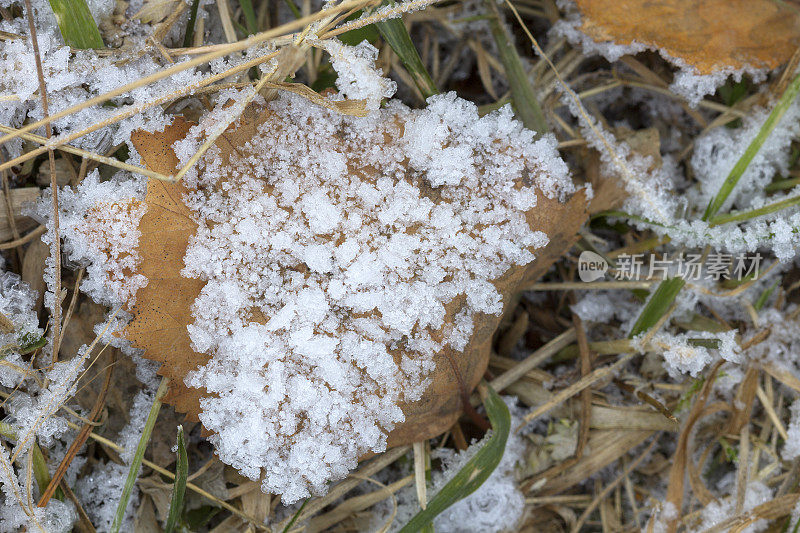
(31, 412)
(660, 200)
(20, 327)
(75, 76)
(338, 256)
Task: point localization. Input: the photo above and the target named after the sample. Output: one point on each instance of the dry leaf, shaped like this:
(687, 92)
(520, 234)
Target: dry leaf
(33, 264)
(163, 308)
(19, 197)
(154, 11)
(706, 34)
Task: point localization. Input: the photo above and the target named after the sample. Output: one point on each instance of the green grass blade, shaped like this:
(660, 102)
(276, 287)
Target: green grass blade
(355, 36)
(40, 471)
(179, 487)
(294, 517)
(657, 305)
(133, 473)
(796, 526)
(77, 26)
(475, 471)
(741, 216)
(764, 296)
(622, 214)
(741, 165)
(394, 32)
(293, 8)
(249, 16)
(524, 99)
(188, 37)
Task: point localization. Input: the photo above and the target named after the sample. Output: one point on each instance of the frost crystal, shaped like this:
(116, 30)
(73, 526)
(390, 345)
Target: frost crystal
(683, 356)
(756, 493)
(16, 514)
(105, 244)
(95, 489)
(791, 450)
(357, 78)
(17, 306)
(336, 254)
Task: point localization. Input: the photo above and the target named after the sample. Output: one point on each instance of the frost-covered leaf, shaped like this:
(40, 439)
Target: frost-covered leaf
(707, 41)
(330, 268)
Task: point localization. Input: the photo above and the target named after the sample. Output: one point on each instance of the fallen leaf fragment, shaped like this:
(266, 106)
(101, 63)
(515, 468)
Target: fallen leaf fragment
(707, 34)
(19, 197)
(164, 305)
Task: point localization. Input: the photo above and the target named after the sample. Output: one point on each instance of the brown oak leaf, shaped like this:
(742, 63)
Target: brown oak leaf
(706, 34)
(163, 308)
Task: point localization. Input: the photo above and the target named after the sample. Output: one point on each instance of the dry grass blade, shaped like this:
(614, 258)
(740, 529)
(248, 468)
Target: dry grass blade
(779, 507)
(660, 407)
(420, 483)
(611, 486)
(55, 245)
(677, 474)
(337, 491)
(110, 161)
(533, 360)
(627, 418)
(324, 522)
(587, 381)
(38, 232)
(608, 446)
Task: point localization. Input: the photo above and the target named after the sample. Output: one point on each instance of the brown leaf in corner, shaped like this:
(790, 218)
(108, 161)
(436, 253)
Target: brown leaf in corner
(706, 34)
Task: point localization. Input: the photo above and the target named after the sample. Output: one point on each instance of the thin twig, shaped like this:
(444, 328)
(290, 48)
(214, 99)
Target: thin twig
(55, 245)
